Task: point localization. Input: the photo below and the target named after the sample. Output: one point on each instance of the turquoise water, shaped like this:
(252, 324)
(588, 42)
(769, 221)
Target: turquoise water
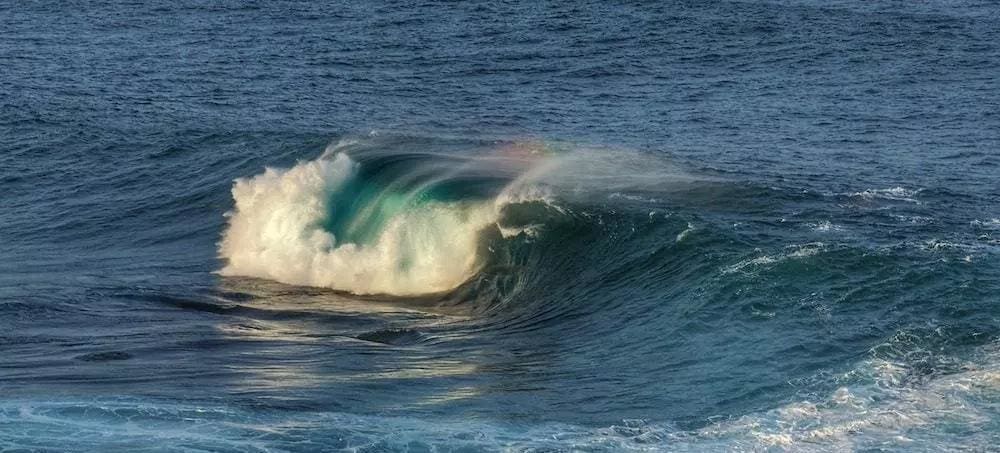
(678, 226)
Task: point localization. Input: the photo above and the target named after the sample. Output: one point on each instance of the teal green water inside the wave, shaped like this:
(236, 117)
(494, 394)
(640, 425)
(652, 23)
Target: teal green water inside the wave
(660, 226)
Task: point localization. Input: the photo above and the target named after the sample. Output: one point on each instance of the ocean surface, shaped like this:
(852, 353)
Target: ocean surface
(500, 226)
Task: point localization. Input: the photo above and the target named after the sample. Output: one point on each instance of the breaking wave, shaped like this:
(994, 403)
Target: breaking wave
(384, 224)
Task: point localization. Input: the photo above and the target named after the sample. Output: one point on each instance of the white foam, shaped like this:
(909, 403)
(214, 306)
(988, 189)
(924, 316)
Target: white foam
(894, 193)
(986, 244)
(275, 232)
(914, 219)
(990, 224)
(792, 252)
(882, 409)
(631, 197)
(684, 234)
(824, 226)
(529, 231)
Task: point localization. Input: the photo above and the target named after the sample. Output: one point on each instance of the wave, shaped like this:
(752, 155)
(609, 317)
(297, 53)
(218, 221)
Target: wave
(401, 217)
(399, 224)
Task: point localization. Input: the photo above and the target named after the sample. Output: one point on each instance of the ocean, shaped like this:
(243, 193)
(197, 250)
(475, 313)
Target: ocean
(240, 226)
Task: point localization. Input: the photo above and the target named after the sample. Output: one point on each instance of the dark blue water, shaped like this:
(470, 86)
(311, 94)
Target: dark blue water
(482, 226)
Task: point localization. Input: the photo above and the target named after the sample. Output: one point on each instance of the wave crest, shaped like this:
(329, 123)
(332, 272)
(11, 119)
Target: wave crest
(276, 231)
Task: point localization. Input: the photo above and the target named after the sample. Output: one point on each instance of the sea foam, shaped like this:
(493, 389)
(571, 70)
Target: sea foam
(276, 232)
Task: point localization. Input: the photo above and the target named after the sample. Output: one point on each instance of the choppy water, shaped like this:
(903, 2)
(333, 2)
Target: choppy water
(656, 226)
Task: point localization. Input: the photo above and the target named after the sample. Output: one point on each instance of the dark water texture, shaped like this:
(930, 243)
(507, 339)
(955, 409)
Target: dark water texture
(824, 276)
